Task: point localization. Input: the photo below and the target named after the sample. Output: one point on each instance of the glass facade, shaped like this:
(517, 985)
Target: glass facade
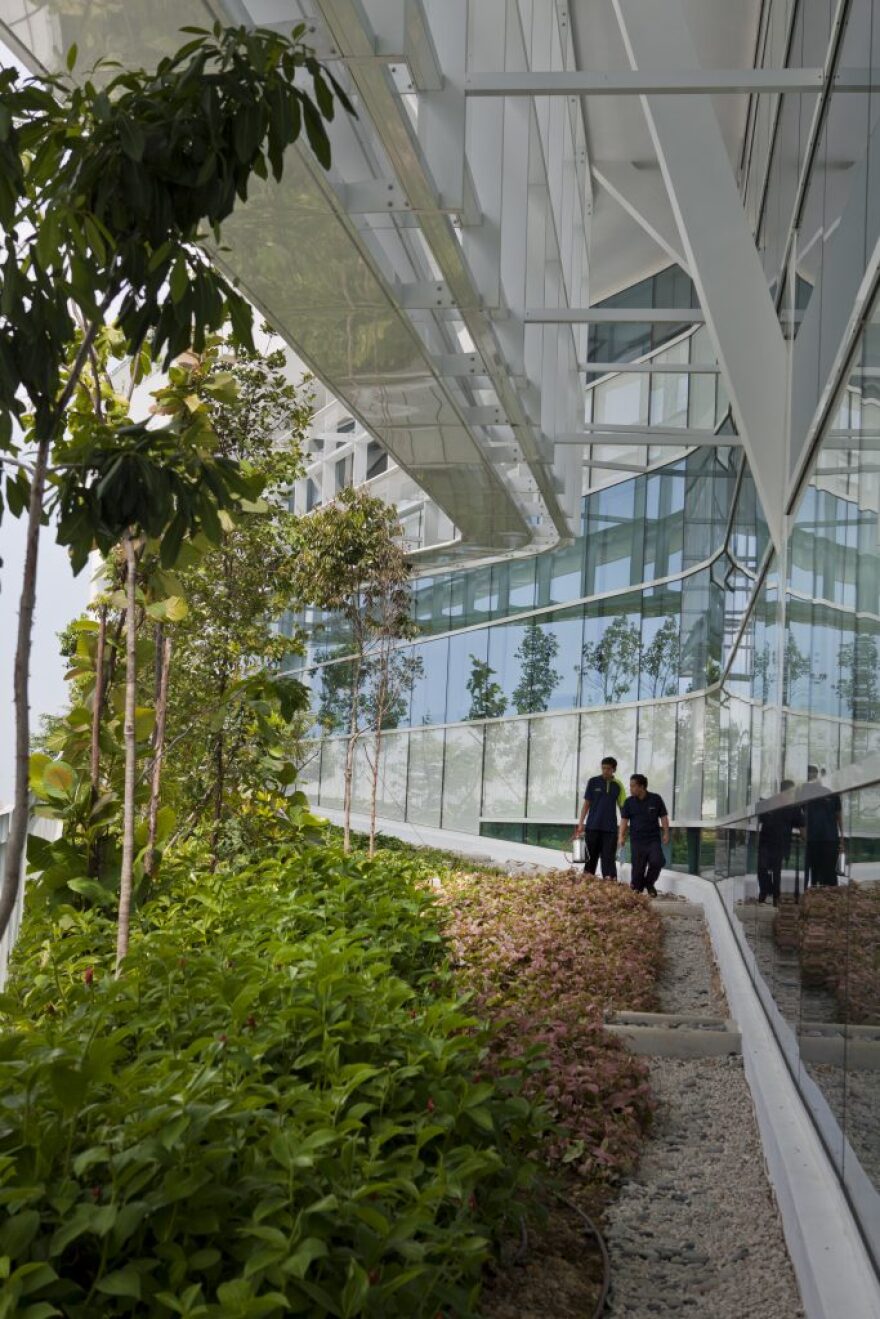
(513, 699)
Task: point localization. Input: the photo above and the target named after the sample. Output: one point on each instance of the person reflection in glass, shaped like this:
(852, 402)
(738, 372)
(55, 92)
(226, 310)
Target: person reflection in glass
(775, 829)
(824, 828)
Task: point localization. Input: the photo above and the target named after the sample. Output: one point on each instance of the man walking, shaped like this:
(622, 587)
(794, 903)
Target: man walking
(603, 795)
(645, 814)
(825, 841)
(775, 829)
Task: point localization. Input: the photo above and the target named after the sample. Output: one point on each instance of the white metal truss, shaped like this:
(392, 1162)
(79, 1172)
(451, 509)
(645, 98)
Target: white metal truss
(673, 80)
(652, 368)
(720, 248)
(438, 278)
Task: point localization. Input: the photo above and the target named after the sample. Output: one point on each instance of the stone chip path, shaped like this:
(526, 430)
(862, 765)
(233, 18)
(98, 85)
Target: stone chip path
(696, 1231)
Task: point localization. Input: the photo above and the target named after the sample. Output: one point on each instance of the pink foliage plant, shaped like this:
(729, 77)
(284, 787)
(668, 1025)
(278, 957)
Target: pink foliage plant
(546, 958)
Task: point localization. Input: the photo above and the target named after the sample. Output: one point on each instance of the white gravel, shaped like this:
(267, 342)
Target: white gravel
(696, 1231)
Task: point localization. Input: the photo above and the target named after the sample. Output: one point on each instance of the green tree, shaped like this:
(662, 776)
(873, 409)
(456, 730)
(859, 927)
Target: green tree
(796, 667)
(351, 562)
(611, 664)
(659, 661)
(235, 589)
(858, 685)
(487, 697)
(139, 488)
(538, 679)
(107, 189)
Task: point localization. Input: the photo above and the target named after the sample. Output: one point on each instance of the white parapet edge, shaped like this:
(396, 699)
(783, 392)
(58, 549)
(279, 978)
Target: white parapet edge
(832, 1265)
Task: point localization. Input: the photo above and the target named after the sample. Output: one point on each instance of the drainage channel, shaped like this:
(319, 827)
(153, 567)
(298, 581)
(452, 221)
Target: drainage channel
(696, 1230)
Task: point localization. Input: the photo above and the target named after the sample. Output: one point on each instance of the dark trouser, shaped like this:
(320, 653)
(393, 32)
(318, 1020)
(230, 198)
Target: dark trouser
(823, 863)
(601, 845)
(647, 862)
(769, 871)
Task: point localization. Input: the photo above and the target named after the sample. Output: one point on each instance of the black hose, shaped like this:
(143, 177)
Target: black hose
(603, 1251)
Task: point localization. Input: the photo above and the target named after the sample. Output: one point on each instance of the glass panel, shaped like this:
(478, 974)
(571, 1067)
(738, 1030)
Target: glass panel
(622, 400)
(664, 522)
(611, 651)
(473, 691)
(504, 786)
(332, 770)
(608, 733)
(661, 642)
(462, 779)
(309, 775)
(669, 391)
(615, 537)
(429, 686)
(391, 788)
(655, 750)
(689, 759)
(363, 777)
(425, 777)
(536, 663)
(331, 695)
(553, 768)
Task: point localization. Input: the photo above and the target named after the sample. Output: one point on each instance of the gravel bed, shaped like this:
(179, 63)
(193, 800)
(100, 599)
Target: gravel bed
(689, 982)
(696, 1231)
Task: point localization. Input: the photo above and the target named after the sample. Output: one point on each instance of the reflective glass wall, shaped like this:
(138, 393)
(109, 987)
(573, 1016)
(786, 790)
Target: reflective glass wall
(804, 674)
(527, 672)
(813, 951)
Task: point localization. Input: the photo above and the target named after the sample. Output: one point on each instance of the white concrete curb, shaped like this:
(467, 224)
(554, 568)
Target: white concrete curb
(833, 1268)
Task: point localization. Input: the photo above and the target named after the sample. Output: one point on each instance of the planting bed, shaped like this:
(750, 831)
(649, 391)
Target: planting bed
(315, 1090)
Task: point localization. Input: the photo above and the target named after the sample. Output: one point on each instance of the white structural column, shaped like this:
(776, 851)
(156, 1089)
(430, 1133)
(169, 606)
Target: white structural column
(718, 245)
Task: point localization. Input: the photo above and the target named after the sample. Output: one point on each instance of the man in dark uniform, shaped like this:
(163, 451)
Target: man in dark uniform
(647, 818)
(603, 795)
(824, 815)
(775, 829)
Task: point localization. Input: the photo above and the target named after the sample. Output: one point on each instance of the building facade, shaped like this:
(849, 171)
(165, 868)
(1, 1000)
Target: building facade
(591, 290)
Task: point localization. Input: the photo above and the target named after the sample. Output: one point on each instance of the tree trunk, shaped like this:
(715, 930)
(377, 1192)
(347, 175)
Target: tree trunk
(374, 787)
(348, 774)
(158, 747)
(219, 786)
(15, 844)
(98, 705)
(127, 871)
(95, 749)
(381, 705)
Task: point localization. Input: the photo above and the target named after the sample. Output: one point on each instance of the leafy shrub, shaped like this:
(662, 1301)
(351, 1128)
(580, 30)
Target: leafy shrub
(547, 957)
(277, 1109)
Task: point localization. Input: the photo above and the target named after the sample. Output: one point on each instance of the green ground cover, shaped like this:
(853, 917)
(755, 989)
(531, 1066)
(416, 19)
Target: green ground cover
(303, 1095)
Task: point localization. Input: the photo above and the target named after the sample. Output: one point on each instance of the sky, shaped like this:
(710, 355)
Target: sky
(60, 598)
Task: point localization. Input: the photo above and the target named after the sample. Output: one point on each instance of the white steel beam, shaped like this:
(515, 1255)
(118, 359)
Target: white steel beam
(459, 364)
(672, 80)
(651, 368)
(637, 192)
(718, 243)
(653, 435)
(612, 315)
(403, 36)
